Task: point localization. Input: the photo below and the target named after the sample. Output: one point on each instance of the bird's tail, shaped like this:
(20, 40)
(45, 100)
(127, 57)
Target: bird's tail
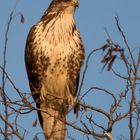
(53, 122)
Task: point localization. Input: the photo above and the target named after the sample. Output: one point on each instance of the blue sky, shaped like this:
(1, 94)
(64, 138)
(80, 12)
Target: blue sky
(91, 18)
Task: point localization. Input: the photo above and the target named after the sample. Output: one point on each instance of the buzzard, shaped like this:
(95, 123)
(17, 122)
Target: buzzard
(53, 56)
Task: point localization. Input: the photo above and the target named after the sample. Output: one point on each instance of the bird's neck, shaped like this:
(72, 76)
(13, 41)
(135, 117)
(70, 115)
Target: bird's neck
(59, 26)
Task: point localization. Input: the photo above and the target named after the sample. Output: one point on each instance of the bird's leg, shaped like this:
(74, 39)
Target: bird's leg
(43, 93)
(73, 102)
(71, 99)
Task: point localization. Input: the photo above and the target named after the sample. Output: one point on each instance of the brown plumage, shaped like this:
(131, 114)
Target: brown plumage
(54, 54)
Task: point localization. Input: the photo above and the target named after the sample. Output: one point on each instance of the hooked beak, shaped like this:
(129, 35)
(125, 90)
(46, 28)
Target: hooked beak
(75, 3)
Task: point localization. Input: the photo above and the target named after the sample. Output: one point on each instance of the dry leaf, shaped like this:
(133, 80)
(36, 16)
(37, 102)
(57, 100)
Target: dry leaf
(35, 123)
(22, 18)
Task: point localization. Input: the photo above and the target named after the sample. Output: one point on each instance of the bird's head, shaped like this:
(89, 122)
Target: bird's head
(73, 3)
(66, 5)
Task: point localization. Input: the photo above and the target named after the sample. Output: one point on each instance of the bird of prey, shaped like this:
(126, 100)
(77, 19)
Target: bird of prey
(54, 55)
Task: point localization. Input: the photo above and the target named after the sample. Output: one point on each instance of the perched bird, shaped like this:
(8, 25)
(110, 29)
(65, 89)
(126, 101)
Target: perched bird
(54, 54)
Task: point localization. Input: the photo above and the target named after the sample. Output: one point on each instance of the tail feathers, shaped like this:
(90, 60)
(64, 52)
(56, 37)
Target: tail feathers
(76, 109)
(53, 122)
